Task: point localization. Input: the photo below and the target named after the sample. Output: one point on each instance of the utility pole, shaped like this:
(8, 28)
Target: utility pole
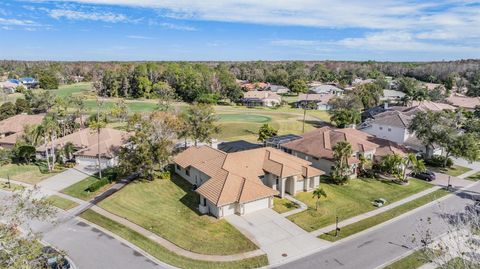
(304, 113)
(336, 226)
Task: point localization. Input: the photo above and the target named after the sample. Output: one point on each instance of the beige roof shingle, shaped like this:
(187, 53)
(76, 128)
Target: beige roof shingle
(235, 177)
(16, 123)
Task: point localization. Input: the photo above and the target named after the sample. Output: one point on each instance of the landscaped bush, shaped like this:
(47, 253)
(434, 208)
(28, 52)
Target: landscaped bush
(97, 185)
(164, 174)
(438, 161)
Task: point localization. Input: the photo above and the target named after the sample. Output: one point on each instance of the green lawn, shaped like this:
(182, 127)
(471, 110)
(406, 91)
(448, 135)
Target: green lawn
(169, 209)
(11, 187)
(382, 217)
(78, 190)
(61, 202)
(283, 205)
(162, 253)
(350, 200)
(73, 89)
(28, 173)
(474, 177)
(412, 261)
(133, 106)
(453, 171)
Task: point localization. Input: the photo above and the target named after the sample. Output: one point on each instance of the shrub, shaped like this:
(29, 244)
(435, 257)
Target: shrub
(97, 184)
(438, 161)
(164, 175)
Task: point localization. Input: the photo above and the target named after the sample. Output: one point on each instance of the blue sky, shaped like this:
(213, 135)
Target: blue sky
(388, 30)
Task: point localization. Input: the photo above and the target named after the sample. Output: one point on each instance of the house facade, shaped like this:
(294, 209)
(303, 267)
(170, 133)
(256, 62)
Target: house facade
(245, 181)
(318, 101)
(261, 98)
(88, 146)
(317, 147)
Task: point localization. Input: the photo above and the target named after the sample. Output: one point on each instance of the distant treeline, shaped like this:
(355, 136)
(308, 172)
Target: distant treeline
(193, 81)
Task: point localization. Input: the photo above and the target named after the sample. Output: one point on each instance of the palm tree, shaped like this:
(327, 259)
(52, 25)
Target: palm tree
(341, 152)
(411, 161)
(319, 193)
(68, 150)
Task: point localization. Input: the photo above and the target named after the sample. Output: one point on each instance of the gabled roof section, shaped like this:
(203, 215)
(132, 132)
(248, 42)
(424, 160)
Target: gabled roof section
(235, 177)
(16, 123)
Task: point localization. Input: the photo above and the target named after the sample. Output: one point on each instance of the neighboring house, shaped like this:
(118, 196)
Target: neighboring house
(321, 88)
(12, 128)
(392, 96)
(8, 87)
(319, 100)
(279, 89)
(279, 140)
(361, 81)
(245, 181)
(317, 147)
(464, 101)
(28, 82)
(393, 124)
(371, 112)
(87, 145)
(253, 86)
(261, 98)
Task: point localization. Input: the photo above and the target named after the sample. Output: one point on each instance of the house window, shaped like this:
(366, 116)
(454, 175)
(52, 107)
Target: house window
(204, 201)
(178, 167)
(315, 158)
(187, 171)
(276, 181)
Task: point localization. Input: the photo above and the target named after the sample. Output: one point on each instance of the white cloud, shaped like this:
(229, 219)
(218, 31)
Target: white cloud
(295, 42)
(139, 37)
(81, 15)
(171, 26)
(17, 22)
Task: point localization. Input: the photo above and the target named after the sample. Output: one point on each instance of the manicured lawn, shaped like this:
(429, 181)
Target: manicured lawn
(453, 171)
(79, 189)
(162, 253)
(382, 217)
(350, 200)
(11, 187)
(283, 205)
(28, 173)
(73, 89)
(61, 202)
(244, 118)
(474, 177)
(412, 261)
(133, 106)
(169, 209)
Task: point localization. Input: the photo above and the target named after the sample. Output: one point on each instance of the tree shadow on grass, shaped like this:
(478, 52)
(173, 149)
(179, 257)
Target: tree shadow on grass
(191, 199)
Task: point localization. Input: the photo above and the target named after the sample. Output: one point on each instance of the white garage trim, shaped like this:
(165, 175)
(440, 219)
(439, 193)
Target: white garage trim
(256, 205)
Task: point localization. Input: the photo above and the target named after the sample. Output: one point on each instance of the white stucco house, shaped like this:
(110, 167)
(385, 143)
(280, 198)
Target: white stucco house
(88, 146)
(245, 181)
(261, 98)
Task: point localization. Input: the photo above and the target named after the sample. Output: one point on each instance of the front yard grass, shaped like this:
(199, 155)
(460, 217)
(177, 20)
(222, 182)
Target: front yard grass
(61, 202)
(382, 217)
(474, 177)
(164, 254)
(350, 200)
(282, 205)
(412, 261)
(453, 171)
(79, 189)
(168, 207)
(29, 173)
(11, 187)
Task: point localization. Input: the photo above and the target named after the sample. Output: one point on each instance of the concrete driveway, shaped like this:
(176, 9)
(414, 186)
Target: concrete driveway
(65, 179)
(278, 237)
(456, 182)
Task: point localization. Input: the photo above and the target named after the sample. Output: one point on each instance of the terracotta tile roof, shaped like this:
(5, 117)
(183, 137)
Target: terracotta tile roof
(428, 105)
(16, 123)
(86, 141)
(11, 139)
(235, 177)
(320, 142)
(464, 101)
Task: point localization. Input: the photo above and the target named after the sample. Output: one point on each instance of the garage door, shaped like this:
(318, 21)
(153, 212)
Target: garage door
(228, 210)
(255, 205)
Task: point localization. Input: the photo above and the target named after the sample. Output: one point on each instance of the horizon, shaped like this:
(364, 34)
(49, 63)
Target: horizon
(214, 31)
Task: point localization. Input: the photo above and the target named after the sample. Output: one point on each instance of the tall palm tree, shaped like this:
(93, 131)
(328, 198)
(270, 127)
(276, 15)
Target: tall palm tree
(411, 161)
(341, 152)
(319, 193)
(50, 131)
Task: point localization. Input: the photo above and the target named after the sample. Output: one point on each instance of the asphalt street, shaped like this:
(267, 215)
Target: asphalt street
(387, 242)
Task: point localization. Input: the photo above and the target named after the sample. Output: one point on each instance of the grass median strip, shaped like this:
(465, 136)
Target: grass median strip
(61, 202)
(382, 217)
(412, 261)
(162, 253)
